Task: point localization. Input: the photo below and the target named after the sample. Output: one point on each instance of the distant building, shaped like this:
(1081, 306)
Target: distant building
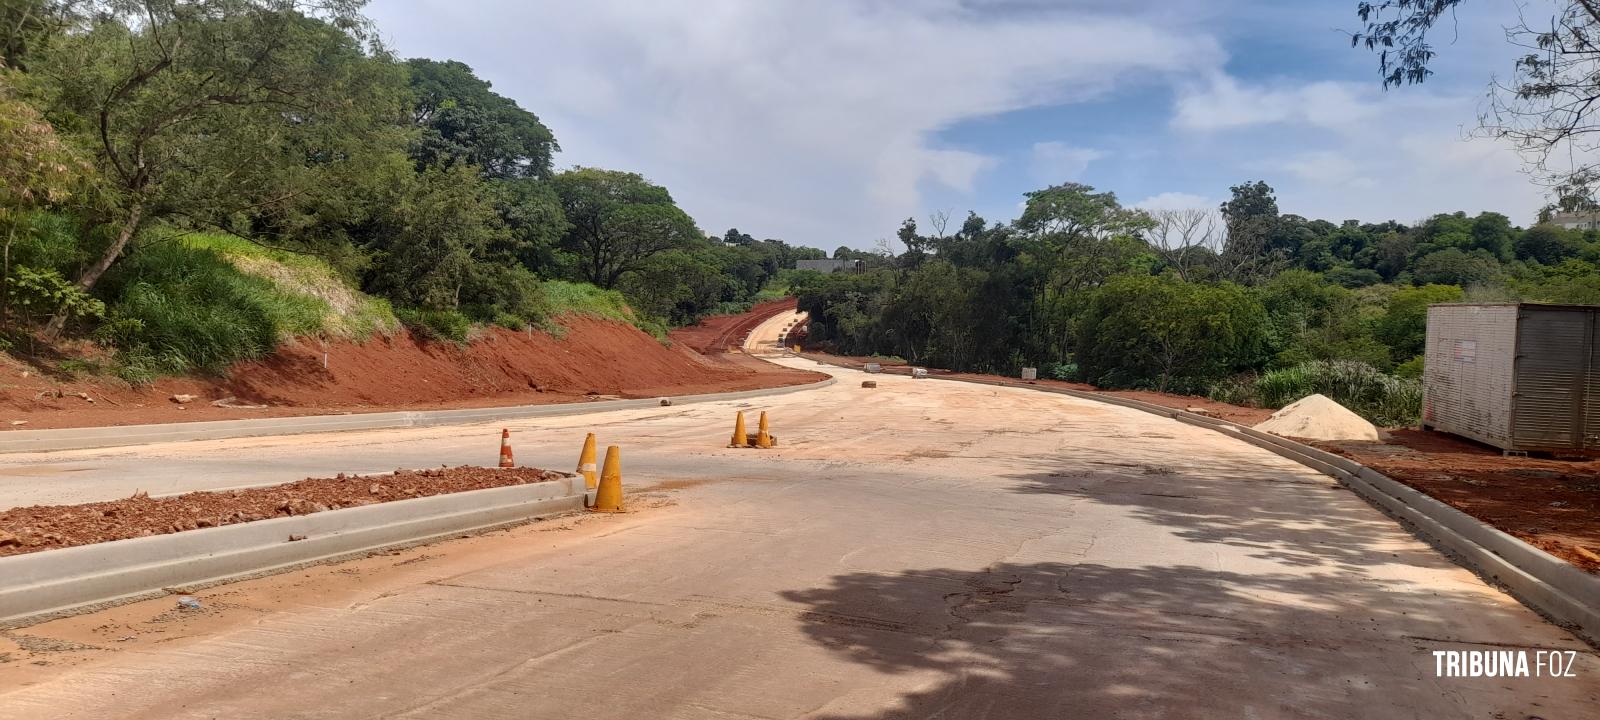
(1577, 220)
(828, 266)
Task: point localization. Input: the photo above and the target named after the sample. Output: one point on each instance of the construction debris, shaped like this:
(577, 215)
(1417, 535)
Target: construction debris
(1317, 417)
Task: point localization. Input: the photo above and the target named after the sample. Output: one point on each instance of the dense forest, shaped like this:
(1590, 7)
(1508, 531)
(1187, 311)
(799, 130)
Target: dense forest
(152, 150)
(1243, 303)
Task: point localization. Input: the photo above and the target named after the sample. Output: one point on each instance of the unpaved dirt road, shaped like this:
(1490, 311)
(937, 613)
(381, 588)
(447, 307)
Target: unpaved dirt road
(924, 549)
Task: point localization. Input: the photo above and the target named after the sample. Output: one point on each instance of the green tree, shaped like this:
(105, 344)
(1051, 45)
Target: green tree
(1166, 334)
(1082, 235)
(37, 169)
(676, 285)
(1547, 244)
(1309, 318)
(1451, 266)
(531, 211)
(1253, 225)
(462, 120)
(207, 108)
(1404, 323)
(435, 238)
(618, 220)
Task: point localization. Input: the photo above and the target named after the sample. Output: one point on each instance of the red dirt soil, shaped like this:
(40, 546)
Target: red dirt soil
(1551, 504)
(48, 527)
(592, 359)
(722, 333)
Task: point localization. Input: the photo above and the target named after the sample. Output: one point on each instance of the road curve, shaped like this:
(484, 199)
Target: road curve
(920, 549)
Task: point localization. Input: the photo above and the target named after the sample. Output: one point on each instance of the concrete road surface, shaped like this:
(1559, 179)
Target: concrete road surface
(925, 549)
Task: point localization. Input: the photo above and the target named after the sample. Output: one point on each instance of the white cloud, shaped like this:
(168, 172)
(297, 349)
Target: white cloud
(1175, 201)
(1055, 162)
(1338, 150)
(1327, 168)
(1223, 103)
(810, 121)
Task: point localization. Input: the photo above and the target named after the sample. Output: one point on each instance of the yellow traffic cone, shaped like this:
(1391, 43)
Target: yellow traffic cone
(586, 463)
(740, 438)
(763, 438)
(609, 497)
(505, 450)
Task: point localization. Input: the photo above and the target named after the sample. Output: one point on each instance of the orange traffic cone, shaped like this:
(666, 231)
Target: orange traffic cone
(505, 450)
(608, 498)
(740, 437)
(763, 437)
(586, 463)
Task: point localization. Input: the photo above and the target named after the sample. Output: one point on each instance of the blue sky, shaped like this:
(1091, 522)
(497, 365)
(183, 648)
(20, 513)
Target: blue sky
(826, 122)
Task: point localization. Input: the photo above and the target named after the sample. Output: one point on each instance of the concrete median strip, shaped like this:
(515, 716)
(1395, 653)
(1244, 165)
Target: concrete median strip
(38, 586)
(1549, 585)
(95, 437)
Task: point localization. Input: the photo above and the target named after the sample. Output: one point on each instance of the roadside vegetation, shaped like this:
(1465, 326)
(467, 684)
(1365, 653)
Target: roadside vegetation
(1244, 304)
(191, 182)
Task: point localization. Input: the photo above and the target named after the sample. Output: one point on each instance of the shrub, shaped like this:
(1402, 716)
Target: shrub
(1167, 334)
(1059, 371)
(1384, 399)
(1410, 369)
(437, 324)
(1404, 323)
(1236, 390)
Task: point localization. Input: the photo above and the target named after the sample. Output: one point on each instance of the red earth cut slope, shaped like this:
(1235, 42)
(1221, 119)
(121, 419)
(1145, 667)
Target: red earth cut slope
(724, 333)
(592, 359)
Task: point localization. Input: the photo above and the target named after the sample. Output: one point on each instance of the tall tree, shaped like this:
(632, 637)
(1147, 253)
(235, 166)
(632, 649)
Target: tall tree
(212, 107)
(462, 120)
(1083, 235)
(1252, 222)
(618, 219)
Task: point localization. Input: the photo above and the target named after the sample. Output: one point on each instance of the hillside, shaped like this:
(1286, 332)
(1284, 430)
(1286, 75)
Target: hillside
(255, 332)
(593, 358)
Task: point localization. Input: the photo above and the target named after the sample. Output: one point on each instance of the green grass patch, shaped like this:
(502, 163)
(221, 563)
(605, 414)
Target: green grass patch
(351, 313)
(437, 324)
(1385, 400)
(201, 302)
(568, 298)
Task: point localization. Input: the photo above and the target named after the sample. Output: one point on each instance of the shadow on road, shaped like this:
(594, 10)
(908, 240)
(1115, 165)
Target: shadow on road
(1057, 640)
(1309, 604)
(1300, 521)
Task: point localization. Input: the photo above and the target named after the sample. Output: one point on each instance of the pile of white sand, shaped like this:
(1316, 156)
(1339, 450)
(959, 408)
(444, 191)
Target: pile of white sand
(1315, 417)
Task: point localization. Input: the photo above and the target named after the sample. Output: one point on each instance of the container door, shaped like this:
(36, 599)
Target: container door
(1553, 357)
(1591, 397)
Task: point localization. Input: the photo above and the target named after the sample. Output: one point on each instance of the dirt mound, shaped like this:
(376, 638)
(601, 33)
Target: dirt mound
(590, 359)
(721, 333)
(1317, 417)
(47, 527)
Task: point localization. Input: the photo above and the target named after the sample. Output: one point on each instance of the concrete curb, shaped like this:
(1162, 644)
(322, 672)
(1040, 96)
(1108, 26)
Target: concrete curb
(96, 437)
(39, 586)
(1550, 586)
